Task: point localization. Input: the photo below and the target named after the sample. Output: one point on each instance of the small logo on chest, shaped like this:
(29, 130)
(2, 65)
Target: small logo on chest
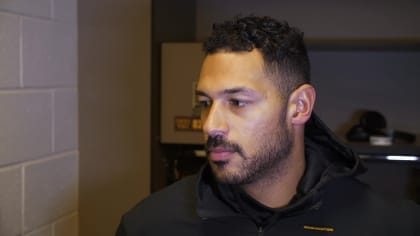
(318, 228)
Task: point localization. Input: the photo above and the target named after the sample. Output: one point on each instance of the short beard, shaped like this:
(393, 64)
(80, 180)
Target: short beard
(268, 162)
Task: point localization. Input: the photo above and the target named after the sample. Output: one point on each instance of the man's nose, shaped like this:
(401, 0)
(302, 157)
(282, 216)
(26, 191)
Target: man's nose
(214, 121)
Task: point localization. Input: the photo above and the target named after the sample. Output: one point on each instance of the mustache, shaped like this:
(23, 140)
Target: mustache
(219, 141)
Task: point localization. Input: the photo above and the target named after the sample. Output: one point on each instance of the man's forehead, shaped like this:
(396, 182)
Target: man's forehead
(227, 61)
(234, 72)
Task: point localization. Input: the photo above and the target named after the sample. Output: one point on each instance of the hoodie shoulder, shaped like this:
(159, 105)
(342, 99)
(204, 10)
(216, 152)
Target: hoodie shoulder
(170, 206)
(351, 203)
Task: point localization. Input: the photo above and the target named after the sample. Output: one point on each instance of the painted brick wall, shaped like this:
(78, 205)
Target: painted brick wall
(38, 118)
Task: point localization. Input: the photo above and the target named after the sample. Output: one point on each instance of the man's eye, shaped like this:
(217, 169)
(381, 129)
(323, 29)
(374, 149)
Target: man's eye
(237, 103)
(204, 103)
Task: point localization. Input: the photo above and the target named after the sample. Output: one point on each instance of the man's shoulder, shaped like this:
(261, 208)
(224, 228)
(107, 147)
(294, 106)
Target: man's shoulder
(352, 190)
(176, 201)
(351, 200)
(172, 209)
(175, 196)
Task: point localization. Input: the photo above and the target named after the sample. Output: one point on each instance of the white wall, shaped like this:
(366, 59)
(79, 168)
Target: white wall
(38, 118)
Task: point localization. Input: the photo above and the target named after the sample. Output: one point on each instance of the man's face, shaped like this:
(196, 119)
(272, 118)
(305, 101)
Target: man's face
(244, 118)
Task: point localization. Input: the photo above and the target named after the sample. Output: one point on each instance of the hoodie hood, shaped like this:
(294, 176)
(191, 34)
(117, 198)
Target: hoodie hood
(326, 159)
(341, 160)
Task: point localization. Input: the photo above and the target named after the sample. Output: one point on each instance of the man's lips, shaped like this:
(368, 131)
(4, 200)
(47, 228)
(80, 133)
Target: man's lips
(220, 154)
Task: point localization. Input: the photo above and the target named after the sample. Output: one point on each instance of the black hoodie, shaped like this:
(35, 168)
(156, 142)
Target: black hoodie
(329, 201)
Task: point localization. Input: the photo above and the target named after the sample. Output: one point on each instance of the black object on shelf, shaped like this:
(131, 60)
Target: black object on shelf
(373, 124)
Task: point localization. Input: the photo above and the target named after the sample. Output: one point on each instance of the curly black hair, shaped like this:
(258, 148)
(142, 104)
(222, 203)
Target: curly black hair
(282, 47)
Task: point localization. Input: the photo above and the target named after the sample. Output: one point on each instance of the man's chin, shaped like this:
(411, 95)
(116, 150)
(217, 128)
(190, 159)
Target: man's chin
(223, 174)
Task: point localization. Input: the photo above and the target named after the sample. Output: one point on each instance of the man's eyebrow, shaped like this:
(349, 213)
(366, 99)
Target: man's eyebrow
(238, 90)
(200, 93)
(228, 91)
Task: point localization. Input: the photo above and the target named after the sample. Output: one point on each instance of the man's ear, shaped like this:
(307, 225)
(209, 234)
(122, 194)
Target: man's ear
(301, 103)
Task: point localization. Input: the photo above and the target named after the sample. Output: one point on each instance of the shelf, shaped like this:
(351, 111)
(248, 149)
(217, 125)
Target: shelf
(400, 152)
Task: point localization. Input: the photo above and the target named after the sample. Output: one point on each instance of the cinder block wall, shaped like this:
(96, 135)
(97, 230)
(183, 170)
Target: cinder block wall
(38, 118)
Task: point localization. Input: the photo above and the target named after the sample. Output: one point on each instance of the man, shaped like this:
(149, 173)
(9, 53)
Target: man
(273, 167)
